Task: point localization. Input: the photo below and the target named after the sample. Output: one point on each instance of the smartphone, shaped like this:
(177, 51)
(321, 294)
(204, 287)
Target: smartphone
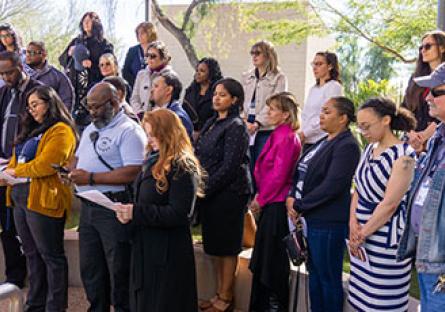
(60, 169)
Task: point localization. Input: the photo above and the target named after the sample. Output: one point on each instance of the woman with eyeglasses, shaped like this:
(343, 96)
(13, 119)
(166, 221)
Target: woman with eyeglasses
(378, 209)
(259, 83)
(80, 60)
(431, 55)
(109, 67)
(158, 59)
(321, 194)
(146, 33)
(41, 202)
(198, 96)
(328, 84)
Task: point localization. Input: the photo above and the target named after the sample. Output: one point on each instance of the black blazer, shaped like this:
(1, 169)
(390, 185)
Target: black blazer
(162, 259)
(134, 62)
(327, 184)
(222, 150)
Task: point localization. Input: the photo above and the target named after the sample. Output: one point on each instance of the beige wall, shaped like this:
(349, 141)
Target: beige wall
(221, 38)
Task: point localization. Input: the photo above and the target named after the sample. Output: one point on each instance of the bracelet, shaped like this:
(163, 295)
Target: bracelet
(91, 179)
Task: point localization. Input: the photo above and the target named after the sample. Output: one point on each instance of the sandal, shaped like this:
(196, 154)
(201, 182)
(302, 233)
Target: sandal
(206, 304)
(221, 305)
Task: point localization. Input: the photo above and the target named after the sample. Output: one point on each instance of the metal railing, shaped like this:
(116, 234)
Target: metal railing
(12, 293)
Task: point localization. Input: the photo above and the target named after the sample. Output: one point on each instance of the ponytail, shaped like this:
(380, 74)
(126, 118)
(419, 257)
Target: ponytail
(401, 118)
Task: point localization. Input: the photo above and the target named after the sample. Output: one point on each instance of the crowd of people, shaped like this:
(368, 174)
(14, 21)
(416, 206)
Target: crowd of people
(229, 155)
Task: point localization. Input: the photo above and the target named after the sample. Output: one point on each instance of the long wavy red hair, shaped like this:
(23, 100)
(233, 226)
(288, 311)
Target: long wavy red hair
(174, 148)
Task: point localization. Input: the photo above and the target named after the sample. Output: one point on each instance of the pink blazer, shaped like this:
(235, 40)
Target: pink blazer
(275, 166)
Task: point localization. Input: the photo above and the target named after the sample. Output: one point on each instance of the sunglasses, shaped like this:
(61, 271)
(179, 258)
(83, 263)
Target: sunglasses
(104, 64)
(427, 46)
(151, 56)
(33, 53)
(437, 93)
(5, 36)
(255, 52)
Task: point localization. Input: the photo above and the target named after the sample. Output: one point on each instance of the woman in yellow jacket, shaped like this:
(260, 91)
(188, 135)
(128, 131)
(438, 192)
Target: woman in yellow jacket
(47, 137)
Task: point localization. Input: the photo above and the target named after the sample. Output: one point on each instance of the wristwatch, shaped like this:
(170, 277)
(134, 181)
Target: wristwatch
(91, 179)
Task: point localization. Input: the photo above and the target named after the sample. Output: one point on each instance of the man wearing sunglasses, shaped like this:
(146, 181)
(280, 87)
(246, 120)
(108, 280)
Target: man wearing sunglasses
(12, 106)
(36, 58)
(424, 233)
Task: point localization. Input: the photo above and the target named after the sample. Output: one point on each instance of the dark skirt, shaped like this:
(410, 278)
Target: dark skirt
(222, 219)
(270, 263)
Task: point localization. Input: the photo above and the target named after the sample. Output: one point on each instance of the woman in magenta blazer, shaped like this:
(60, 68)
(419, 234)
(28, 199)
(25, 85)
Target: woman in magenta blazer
(273, 176)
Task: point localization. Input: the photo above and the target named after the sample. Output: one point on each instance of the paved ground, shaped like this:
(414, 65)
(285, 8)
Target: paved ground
(76, 301)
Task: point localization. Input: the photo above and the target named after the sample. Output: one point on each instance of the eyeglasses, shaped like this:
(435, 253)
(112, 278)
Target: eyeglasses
(33, 105)
(151, 56)
(317, 64)
(255, 52)
(104, 64)
(33, 53)
(427, 46)
(436, 93)
(96, 107)
(5, 36)
(365, 128)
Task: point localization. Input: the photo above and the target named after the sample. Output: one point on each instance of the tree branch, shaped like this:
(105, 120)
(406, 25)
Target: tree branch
(368, 37)
(189, 11)
(177, 32)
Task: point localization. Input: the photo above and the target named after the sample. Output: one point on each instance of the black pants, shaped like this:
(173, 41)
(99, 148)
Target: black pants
(42, 240)
(104, 258)
(15, 261)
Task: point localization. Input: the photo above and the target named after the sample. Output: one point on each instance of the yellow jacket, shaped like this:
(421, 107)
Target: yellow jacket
(47, 195)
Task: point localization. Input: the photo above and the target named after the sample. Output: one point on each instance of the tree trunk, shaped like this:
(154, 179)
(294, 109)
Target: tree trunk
(177, 32)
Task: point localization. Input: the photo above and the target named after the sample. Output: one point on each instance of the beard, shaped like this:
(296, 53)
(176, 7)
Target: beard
(106, 117)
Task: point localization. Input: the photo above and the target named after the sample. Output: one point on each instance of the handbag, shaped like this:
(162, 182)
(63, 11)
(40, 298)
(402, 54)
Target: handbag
(296, 245)
(249, 230)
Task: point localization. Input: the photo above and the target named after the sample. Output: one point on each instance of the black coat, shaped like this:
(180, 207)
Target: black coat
(162, 272)
(222, 150)
(198, 107)
(96, 48)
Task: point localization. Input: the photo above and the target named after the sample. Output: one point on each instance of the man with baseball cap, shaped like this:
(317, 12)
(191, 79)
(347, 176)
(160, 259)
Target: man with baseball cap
(424, 233)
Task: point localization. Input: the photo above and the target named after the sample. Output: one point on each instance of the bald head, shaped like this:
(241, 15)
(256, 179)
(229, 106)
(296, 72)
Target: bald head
(102, 103)
(101, 93)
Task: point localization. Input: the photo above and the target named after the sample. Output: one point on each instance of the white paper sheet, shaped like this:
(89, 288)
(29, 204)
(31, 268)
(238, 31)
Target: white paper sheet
(11, 180)
(364, 263)
(98, 198)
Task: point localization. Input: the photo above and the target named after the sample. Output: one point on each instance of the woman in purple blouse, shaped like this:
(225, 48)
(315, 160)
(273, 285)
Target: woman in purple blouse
(273, 175)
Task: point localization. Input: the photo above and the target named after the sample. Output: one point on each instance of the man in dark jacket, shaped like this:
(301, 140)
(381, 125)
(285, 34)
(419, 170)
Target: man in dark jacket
(12, 106)
(47, 74)
(165, 93)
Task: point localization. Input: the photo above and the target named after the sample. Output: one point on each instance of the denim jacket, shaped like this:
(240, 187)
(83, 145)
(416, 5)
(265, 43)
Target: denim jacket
(430, 253)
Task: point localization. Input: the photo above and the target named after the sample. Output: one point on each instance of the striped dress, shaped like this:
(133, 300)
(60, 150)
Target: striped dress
(385, 286)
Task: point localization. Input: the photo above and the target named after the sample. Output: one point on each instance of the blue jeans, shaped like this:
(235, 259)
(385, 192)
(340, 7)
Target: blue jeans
(326, 247)
(430, 302)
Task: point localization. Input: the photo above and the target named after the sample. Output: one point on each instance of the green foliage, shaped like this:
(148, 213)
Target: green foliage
(293, 21)
(396, 25)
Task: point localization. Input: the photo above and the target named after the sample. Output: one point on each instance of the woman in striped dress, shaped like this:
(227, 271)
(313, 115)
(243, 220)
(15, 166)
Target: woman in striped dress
(378, 206)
